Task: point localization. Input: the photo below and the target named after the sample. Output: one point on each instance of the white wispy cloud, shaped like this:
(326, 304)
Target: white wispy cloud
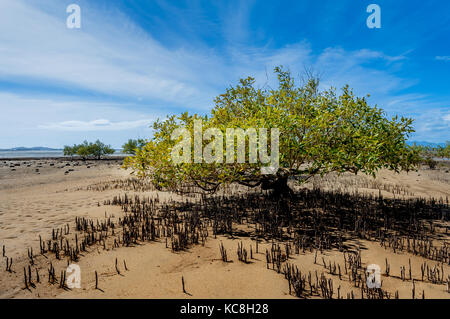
(433, 125)
(96, 125)
(104, 56)
(112, 56)
(54, 122)
(443, 58)
(431, 115)
(446, 117)
(371, 54)
(118, 58)
(342, 67)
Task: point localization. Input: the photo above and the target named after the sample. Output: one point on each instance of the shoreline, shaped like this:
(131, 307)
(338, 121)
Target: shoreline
(111, 158)
(37, 158)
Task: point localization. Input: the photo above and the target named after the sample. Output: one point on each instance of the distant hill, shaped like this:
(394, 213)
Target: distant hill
(36, 148)
(429, 144)
(118, 150)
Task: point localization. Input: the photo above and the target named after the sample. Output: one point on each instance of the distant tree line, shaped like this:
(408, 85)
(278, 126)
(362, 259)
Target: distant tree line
(89, 150)
(98, 149)
(429, 154)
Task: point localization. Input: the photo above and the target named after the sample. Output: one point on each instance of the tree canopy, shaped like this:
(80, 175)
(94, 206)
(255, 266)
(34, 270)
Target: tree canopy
(321, 131)
(132, 145)
(89, 150)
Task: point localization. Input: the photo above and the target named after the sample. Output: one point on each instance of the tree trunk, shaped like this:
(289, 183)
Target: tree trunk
(279, 186)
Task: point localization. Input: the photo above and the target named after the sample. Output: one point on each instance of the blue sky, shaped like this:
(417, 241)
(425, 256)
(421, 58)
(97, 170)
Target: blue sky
(133, 61)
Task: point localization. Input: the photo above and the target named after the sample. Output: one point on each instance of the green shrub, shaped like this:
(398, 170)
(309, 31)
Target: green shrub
(89, 150)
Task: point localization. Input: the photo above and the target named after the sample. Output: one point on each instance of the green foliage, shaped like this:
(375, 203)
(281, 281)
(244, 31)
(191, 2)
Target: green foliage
(320, 132)
(70, 150)
(132, 145)
(88, 150)
(427, 154)
(443, 151)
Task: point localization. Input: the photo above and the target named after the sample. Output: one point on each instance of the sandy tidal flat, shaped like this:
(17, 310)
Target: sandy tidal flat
(39, 196)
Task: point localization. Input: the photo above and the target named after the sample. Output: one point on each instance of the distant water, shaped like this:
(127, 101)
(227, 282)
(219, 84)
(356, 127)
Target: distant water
(43, 154)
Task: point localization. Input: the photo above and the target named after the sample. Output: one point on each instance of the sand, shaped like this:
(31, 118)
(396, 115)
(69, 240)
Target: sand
(32, 203)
